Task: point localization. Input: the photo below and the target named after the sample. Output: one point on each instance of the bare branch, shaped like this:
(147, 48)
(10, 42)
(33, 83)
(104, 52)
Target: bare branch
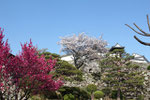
(148, 22)
(144, 43)
(134, 30)
(144, 33)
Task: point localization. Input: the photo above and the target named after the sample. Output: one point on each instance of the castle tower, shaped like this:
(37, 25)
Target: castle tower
(116, 50)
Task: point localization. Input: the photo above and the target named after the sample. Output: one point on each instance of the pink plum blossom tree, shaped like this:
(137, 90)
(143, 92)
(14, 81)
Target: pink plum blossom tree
(24, 73)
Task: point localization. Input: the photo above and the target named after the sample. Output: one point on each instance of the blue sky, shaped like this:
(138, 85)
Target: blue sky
(44, 21)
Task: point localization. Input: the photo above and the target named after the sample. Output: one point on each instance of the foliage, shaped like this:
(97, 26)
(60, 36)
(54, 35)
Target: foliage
(76, 91)
(91, 88)
(68, 71)
(68, 97)
(96, 76)
(98, 94)
(50, 95)
(121, 75)
(140, 97)
(114, 94)
(63, 68)
(83, 48)
(106, 91)
(36, 97)
(118, 51)
(148, 67)
(48, 55)
(24, 73)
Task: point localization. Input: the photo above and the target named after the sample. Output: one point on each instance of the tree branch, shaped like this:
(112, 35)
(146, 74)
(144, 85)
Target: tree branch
(134, 30)
(144, 43)
(148, 22)
(144, 33)
(26, 93)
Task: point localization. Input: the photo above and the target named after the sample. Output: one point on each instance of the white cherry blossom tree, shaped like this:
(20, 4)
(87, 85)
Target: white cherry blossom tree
(83, 48)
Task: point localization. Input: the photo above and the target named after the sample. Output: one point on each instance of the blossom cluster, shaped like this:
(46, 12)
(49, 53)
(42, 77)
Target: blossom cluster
(25, 72)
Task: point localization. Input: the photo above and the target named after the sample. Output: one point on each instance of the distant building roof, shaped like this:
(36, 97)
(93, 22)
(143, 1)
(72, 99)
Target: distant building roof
(139, 58)
(117, 46)
(65, 55)
(67, 58)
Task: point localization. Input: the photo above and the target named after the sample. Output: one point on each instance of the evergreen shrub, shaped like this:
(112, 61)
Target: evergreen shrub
(106, 91)
(148, 68)
(91, 88)
(98, 94)
(140, 97)
(69, 97)
(76, 91)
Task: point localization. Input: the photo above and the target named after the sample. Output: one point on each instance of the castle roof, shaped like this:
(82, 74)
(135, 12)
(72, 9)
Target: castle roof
(117, 46)
(139, 58)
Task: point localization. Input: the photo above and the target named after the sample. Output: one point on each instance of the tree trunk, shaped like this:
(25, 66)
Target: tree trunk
(1, 96)
(106, 98)
(118, 94)
(92, 96)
